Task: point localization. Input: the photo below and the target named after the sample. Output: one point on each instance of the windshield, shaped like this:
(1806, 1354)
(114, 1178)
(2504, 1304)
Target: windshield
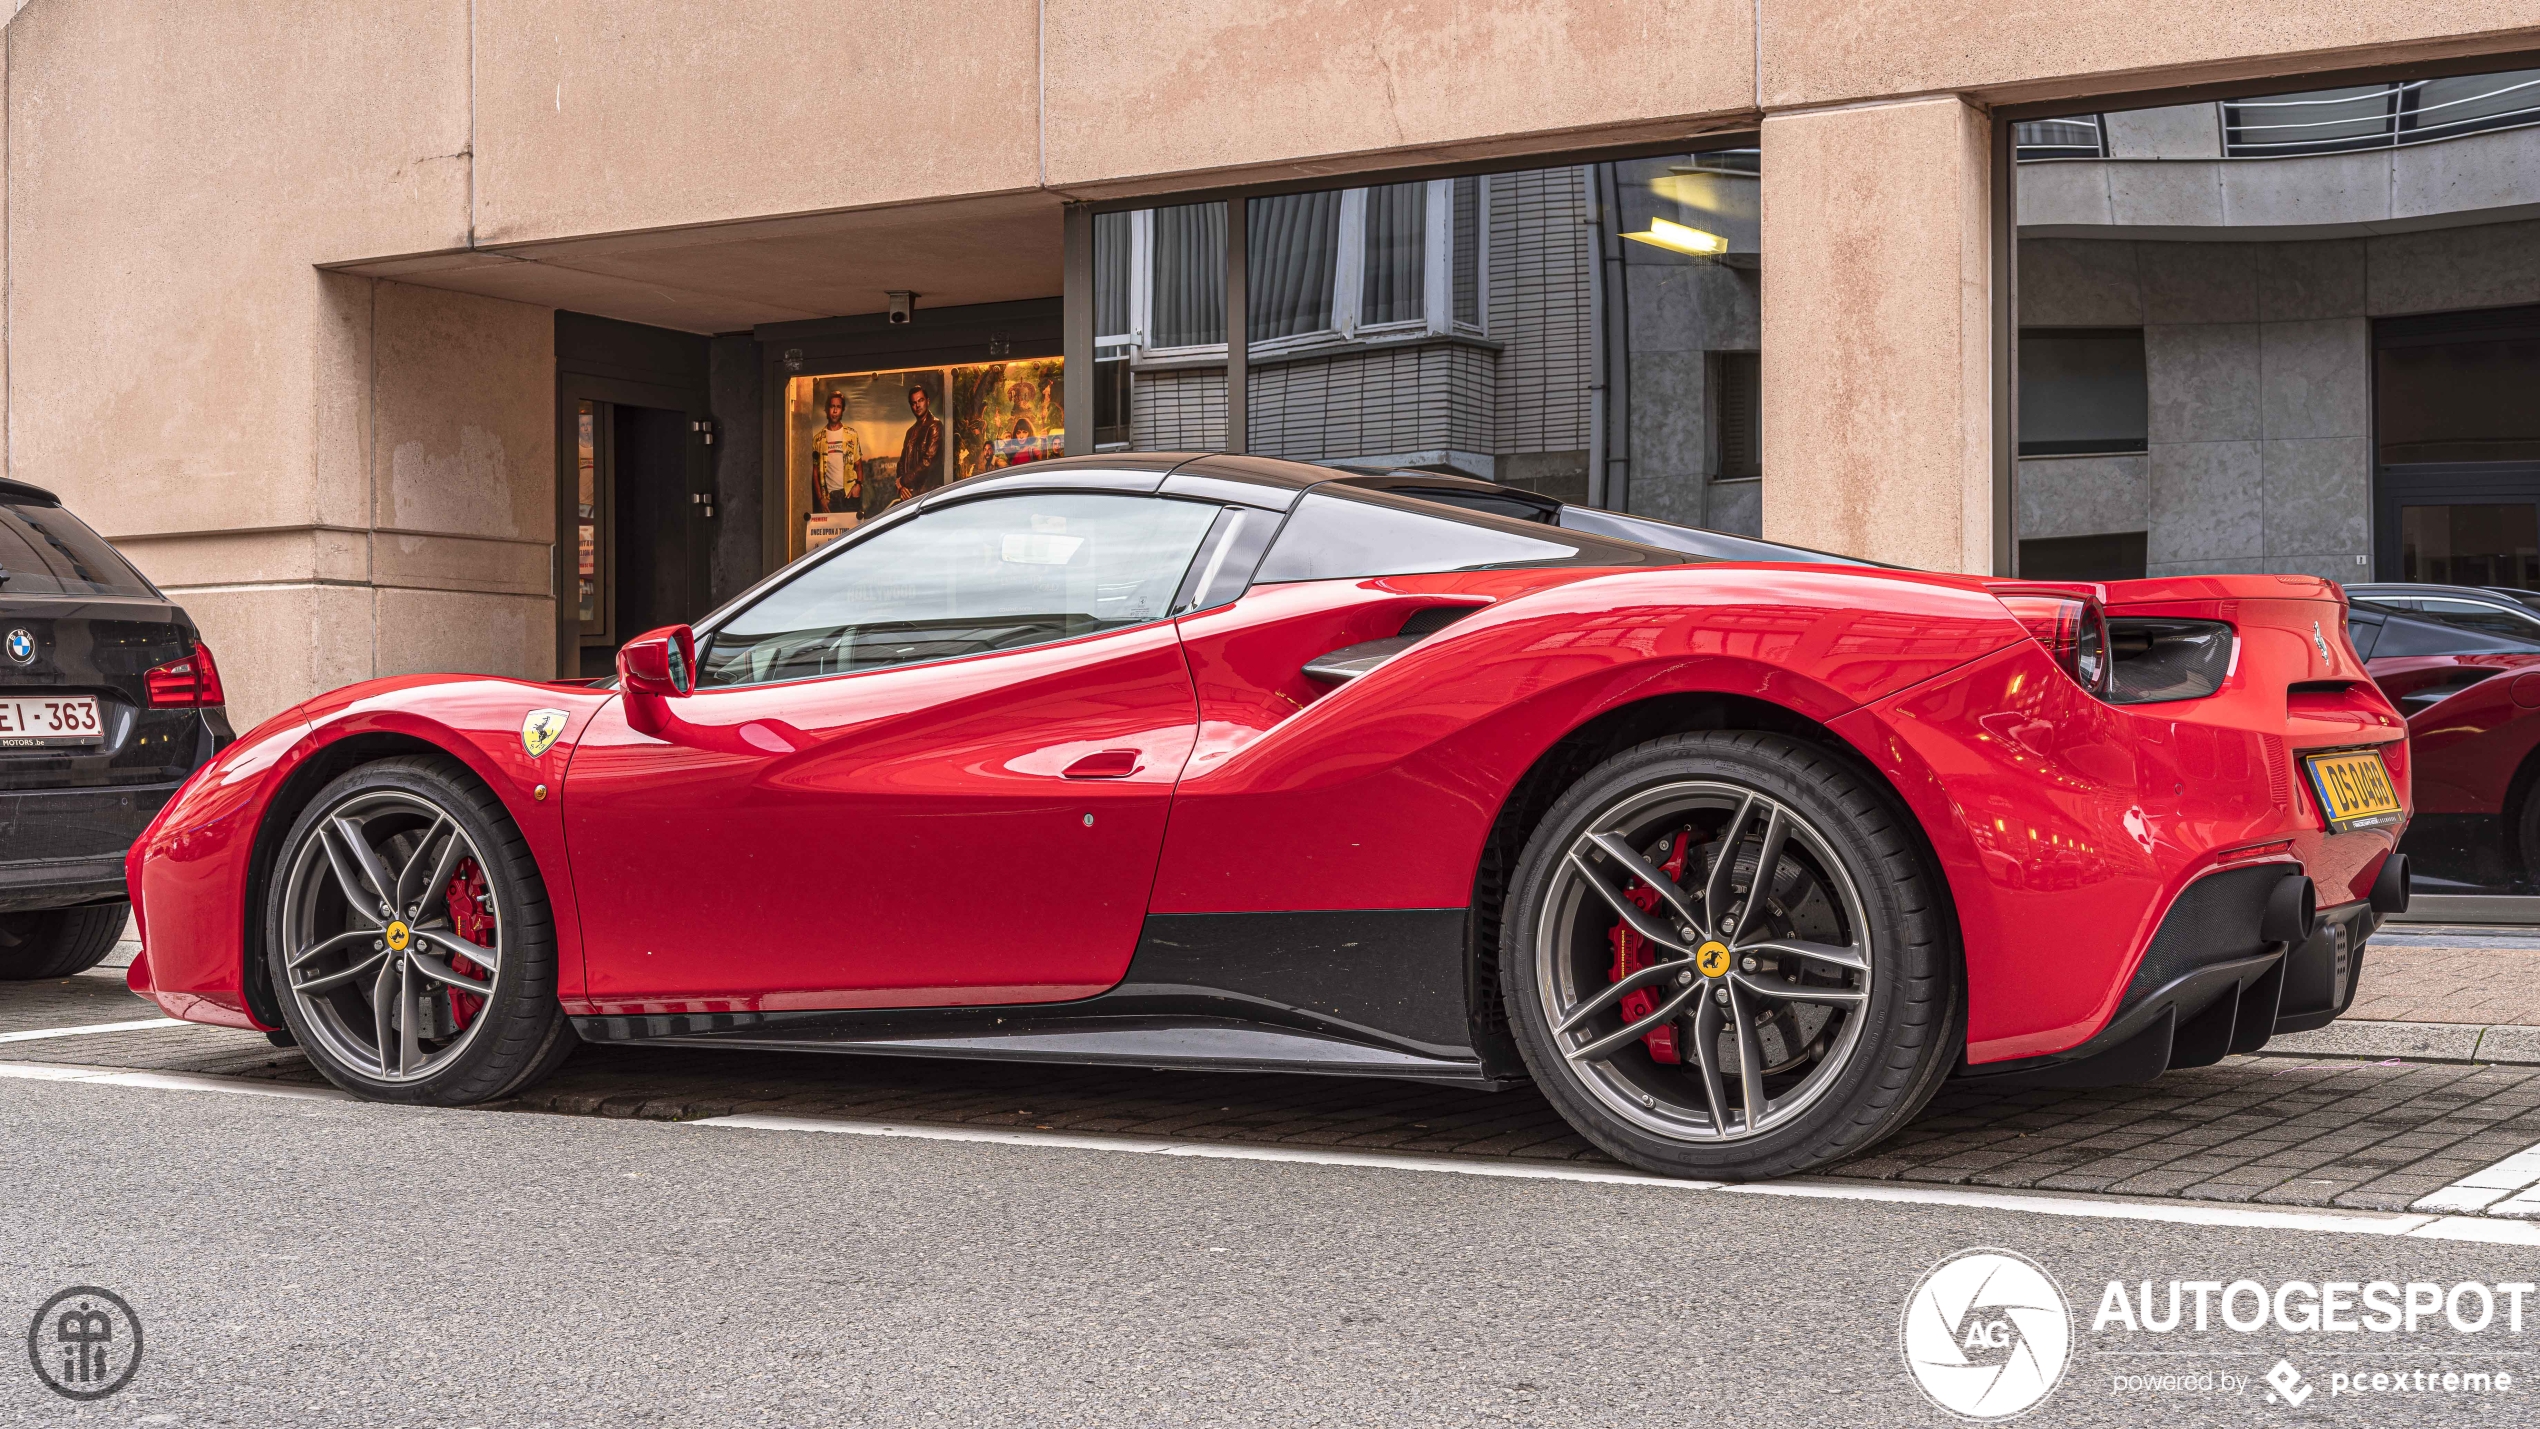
(45, 550)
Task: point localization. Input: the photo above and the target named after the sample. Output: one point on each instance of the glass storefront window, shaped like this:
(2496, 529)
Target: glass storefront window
(2299, 332)
(1160, 310)
(857, 443)
(2081, 391)
(1586, 331)
(2472, 545)
(1188, 306)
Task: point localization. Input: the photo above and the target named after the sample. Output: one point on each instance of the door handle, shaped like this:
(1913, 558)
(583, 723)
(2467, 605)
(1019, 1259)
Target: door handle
(1103, 764)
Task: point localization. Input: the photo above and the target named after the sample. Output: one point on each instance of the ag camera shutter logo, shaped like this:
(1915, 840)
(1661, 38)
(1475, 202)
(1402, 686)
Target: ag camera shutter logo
(1987, 1334)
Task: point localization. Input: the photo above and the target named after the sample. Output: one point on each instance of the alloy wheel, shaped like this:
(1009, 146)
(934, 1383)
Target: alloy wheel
(391, 934)
(1703, 960)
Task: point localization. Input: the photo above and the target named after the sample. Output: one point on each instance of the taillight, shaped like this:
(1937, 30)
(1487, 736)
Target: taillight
(2153, 659)
(2071, 630)
(194, 680)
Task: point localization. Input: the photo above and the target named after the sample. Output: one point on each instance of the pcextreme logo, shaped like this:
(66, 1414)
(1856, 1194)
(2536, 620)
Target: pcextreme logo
(1987, 1334)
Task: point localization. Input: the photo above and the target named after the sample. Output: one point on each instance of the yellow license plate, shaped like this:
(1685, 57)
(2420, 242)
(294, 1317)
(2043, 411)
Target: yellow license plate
(2355, 789)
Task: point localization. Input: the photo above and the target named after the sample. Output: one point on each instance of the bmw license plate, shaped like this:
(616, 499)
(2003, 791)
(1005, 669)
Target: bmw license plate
(2355, 789)
(70, 719)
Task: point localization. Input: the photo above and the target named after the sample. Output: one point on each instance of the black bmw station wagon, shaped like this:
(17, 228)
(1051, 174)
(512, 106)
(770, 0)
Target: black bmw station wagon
(108, 700)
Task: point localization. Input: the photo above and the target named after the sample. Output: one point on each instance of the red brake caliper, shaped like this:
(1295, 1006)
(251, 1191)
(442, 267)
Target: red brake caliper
(1631, 953)
(466, 898)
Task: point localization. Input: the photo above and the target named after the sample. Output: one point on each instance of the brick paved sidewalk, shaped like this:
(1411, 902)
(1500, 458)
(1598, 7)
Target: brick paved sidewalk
(2426, 974)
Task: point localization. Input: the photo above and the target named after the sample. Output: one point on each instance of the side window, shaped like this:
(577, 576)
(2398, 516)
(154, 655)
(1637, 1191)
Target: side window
(2469, 615)
(996, 574)
(1331, 537)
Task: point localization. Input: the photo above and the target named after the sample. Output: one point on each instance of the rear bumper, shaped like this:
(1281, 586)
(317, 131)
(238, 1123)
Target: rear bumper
(60, 883)
(2208, 988)
(62, 847)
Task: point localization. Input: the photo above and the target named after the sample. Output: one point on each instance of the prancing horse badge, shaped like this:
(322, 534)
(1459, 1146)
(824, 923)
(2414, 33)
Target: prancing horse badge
(539, 730)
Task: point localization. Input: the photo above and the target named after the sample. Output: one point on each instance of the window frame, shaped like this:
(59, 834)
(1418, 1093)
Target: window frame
(1437, 297)
(715, 623)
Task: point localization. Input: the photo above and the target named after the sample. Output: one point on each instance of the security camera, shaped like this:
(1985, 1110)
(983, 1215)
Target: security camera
(903, 306)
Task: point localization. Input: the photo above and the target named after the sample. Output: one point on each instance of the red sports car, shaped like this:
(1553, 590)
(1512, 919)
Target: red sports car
(1737, 851)
(2468, 681)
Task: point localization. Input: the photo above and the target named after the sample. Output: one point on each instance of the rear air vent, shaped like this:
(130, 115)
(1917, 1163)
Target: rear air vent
(1429, 620)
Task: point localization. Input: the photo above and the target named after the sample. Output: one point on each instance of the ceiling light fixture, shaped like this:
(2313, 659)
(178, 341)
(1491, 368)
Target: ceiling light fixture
(1665, 233)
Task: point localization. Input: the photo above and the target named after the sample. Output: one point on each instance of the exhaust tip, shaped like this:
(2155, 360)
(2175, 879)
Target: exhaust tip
(2390, 890)
(2292, 912)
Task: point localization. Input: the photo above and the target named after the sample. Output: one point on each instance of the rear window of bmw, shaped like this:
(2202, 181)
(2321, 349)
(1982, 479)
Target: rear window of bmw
(45, 550)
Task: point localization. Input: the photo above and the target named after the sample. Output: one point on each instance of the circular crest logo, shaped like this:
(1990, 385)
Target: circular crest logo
(1987, 1334)
(22, 647)
(85, 1343)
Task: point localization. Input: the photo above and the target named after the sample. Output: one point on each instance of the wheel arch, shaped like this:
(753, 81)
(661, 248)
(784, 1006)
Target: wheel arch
(297, 791)
(1569, 758)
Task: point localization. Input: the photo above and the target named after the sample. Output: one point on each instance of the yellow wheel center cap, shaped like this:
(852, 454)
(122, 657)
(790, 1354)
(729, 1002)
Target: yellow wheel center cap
(398, 935)
(1713, 958)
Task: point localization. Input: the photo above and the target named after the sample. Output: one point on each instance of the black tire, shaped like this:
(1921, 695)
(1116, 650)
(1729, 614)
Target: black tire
(514, 1036)
(1907, 991)
(57, 942)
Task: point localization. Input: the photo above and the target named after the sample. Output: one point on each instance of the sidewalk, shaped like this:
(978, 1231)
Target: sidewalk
(2454, 993)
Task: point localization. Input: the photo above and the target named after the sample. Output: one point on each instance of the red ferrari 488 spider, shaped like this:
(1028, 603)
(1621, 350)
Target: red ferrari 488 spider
(1737, 851)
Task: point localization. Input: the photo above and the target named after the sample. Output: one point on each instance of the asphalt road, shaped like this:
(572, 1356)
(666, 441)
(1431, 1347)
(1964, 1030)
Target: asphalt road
(322, 1262)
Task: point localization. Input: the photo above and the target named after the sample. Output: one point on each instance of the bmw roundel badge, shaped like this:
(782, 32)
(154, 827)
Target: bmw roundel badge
(22, 647)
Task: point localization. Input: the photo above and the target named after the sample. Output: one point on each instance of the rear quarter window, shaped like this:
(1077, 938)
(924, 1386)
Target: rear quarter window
(45, 550)
(1364, 534)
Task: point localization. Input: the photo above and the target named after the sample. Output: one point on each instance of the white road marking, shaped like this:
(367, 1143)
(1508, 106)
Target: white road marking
(2409, 1224)
(41, 1034)
(2034, 1203)
(2481, 1190)
(165, 1081)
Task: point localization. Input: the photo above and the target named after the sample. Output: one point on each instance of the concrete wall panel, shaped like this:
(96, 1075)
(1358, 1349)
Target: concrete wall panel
(464, 415)
(280, 644)
(600, 116)
(2492, 265)
(1218, 86)
(1877, 347)
(2082, 496)
(174, 171)
(1832, 51)
(428, 631)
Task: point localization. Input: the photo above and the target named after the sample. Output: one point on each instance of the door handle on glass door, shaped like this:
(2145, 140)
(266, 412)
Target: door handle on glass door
(1103, 764)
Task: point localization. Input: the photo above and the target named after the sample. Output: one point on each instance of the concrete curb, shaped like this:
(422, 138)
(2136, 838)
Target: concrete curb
(2416, 1041)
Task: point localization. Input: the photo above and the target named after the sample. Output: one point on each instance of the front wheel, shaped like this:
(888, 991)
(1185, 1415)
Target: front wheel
(409, 940)
(1726, 956)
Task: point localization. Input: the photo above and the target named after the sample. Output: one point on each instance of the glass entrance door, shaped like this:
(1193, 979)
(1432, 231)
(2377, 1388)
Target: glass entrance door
(640, 526)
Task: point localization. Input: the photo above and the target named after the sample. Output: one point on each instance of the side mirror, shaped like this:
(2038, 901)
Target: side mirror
(660, 662)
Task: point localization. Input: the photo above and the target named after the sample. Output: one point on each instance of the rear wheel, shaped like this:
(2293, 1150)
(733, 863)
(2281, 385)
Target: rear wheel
(57, 942)
(408, 936)
(1725, 955)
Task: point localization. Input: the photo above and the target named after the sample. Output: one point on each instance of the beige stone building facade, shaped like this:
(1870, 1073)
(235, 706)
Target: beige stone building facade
(322, 310)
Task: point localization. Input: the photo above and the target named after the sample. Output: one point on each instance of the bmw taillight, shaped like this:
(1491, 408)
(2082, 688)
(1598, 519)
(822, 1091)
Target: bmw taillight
(2072, 631)
(180, 684)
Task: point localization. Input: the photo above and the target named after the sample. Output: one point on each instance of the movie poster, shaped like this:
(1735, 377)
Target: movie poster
(858, 443)
(1007, 413)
